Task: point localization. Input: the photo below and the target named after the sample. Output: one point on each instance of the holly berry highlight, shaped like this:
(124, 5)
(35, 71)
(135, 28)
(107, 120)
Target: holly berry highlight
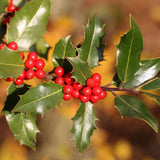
(90, 92)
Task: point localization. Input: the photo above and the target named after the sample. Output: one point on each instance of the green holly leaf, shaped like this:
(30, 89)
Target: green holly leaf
(154, 96)
(11, 64)
(128, 52)
(23, 127)
(152, 85)
(133, 107)
(40, 99)
(17, 2)
(89, 51)
(13, 96)
(4, 4)
(42, 48)
(31, 18)
(83, 125)
(148, 70)
(81, 71)
(63, 49)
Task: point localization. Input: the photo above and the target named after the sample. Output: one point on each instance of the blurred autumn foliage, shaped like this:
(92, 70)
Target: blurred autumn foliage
(115, 139)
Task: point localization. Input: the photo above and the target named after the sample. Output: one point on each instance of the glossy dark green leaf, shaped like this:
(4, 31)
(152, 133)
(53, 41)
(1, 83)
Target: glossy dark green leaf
(23, 127)
(42, 48)
(133, 107)
(11, 64)
(40, 99)
(128, 52)
(3, 5)
(154, 96)
(148, 70)
(81, 71)
(152, 85)
(63, 49)
(89, 51)
(31, 18)
(83, 125)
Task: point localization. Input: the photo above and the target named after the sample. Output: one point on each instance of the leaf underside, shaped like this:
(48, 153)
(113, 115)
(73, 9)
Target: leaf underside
(133, 107)
(83, 125)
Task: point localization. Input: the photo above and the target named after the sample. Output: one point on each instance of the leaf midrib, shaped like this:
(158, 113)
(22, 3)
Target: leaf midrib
(6, 64)
(131, 107)
(28, 23)
(127, 65)
(39, 99)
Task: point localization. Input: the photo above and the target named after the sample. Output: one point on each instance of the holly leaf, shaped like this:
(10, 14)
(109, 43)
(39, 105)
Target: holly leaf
(4, 4)
(148, 70)
(63, 49)
(133, 107)
(11, 64)
(23, 127)
(152, 85)
(90, 49)
(154, 96)
(81, 71)
(128, 52)
(40, 99)
(83, 125)
(31, 18)
(42, 48)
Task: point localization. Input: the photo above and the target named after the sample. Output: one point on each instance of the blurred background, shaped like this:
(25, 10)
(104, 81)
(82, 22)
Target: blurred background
(115, 139)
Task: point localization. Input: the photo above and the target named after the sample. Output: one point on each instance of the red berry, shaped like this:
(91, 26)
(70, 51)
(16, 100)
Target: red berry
(59, 71)
(96, 91)
(75, 94)
(11, 8)
(40, 73)
(77, 86)
(67, 97)
(68, 74)
(97, 84)
(94, 98)
(29, 63)
(68, 89)
(22, 55)
(90, 82)
(84, 98)
(18, 81)
(1, 46)
(9, 79)
(97, 77)
(39, 64)
(69, 80)
(103, 94)
(22, 75)
(86, 91)
(13, 45)
(33, 56)
(30, 74)
(59, 80)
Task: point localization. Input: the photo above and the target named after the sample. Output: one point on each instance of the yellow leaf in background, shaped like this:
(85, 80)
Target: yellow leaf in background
(11, 150)
(61, 27)
(123, 150)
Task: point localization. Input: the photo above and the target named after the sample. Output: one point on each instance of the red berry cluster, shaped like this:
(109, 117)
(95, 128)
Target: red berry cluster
(89, 92)
(31, 63)
(11, 10)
